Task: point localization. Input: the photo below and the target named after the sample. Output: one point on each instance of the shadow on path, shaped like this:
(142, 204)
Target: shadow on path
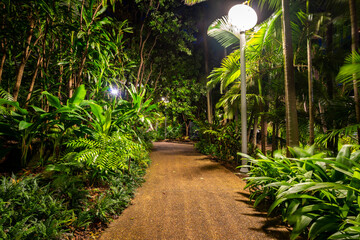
(187, 196)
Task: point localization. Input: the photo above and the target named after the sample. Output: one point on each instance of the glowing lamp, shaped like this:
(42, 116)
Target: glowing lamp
(114, 91)
(242, 17)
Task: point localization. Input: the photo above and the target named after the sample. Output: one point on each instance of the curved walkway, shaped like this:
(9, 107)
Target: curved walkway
(187, 196)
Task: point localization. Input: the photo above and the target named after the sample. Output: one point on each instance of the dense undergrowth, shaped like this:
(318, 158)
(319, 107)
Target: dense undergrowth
(220, 143)
(317, 195)
(63, 201)
(79, 162)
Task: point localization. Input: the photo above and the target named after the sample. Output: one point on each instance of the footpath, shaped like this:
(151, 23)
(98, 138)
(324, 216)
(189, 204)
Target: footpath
(188, 196)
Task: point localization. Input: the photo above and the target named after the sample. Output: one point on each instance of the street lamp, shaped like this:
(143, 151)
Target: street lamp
(165, 102)
(114, 91)
(242, 18)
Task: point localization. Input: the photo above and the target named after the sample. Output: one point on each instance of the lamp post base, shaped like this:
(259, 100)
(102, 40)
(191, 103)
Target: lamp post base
(244, 170)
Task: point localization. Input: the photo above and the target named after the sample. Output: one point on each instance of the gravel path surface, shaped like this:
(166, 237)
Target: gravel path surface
(187, 196)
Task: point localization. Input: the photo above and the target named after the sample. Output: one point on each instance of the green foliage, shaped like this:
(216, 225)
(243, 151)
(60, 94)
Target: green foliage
(317, 195)
(29, 210)
(222, 142)
(66, 197)
(105, 152)
(351, 67)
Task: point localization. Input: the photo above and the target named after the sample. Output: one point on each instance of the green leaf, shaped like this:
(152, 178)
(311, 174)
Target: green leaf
(323, 224)
(301, 223)
(79, 95)
(278, 201)
(53, 101)
(355, 181)
(37, 109)
(344, 155)
(14, 104)
(24, 125)
(98, 112)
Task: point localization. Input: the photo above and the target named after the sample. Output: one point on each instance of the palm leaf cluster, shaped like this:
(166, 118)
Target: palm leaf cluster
(317, 195)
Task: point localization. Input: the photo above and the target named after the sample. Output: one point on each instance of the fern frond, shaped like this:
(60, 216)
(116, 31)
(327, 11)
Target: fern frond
(83, 143)
(5, 95)
(88, 156)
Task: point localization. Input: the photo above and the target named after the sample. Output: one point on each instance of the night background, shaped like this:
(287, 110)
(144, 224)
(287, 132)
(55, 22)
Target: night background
(95, 94)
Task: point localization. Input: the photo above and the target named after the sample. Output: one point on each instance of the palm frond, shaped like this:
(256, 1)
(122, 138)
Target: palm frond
(264, 33)
(350, 68)
(271, 4)
(223, 32)
(228, 73)
(192, 2)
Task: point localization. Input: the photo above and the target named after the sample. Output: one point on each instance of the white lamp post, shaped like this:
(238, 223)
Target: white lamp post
(243, 18)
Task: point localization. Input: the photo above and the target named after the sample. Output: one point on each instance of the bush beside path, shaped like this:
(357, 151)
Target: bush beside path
(187, 196)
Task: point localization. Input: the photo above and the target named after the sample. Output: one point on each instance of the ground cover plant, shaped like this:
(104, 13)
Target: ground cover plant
(316, 195)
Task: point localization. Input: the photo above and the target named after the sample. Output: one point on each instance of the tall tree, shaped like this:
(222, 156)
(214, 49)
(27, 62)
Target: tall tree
(310, 77)
(355, 49)
(292, 129)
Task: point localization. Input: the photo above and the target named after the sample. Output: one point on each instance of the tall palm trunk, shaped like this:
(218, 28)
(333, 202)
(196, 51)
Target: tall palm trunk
(206, 65)
(310, 80)
(3, 48)
(354, 48)
(206, 62)
(292, 130)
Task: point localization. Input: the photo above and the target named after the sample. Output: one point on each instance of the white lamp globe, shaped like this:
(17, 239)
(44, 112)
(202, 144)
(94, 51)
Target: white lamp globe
(242, 17)
(114, 91)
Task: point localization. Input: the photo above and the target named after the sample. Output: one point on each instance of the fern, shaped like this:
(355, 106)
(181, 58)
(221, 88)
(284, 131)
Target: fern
(105, 152)
(82, 143)
(5, 95)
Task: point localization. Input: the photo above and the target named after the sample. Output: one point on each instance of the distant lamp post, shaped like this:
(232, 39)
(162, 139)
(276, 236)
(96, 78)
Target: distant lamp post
(165, 102)
(242, 18)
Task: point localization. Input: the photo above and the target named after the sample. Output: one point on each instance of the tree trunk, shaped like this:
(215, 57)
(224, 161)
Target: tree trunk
(274, 144)
(252, 116)
(310, 80)
(33, 80)
(71, 78)
(329, 50)
(263, 128)
(292, 130)
(311, 95)
(187, 125)
(254, 139)
(2, 63)
(207, 72)
(3, 48)
(24, 59)
(354, 48)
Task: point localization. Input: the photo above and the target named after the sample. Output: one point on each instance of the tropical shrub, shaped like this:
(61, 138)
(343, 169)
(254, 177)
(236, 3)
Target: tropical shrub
(67, 197)
(222, 142)
(317, 195)
(94, 154)
(29, 210)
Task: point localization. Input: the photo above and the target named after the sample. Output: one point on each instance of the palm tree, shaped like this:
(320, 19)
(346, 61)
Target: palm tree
(292, 129)
(354, 49)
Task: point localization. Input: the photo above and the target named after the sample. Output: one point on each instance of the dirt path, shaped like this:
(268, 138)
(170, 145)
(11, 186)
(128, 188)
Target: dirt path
(187, 196)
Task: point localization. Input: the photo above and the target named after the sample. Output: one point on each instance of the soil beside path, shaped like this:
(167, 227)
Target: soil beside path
(187, 196)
